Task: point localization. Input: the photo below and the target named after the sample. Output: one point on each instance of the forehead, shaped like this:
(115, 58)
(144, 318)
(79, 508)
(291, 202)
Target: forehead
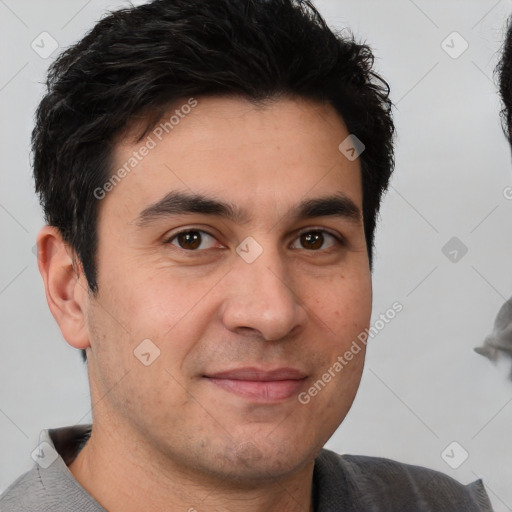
(258, 156)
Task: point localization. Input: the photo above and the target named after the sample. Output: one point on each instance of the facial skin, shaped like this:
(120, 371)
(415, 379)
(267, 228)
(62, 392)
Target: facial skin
(168, 433)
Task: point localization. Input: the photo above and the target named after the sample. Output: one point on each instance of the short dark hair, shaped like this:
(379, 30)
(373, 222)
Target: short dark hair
(136, 62)
(504, 74)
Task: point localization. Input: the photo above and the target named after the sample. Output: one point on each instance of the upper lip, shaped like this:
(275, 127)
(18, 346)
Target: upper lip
(258, 374)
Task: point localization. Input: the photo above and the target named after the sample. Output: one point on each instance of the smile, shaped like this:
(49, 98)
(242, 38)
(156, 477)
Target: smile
(259, 385)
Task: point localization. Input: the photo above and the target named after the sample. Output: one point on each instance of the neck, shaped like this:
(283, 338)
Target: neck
(123, 473)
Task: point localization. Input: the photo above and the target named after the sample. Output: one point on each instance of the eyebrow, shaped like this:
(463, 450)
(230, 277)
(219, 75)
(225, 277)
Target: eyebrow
(182, 203)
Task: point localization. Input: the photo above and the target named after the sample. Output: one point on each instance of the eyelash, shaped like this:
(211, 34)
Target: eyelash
(339, 239)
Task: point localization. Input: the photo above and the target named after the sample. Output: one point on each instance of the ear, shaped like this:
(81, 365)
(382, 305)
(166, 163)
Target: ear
(65, 286)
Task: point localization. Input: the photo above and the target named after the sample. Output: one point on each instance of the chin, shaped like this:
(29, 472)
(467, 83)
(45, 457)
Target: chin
(253, 461)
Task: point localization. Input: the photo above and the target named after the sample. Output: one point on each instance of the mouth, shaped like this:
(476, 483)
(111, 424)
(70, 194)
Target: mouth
(260, 385)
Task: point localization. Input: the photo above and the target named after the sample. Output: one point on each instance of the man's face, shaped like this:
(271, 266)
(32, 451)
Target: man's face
(243, 329)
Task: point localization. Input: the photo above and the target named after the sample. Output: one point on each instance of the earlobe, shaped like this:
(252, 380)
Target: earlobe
(65, 286)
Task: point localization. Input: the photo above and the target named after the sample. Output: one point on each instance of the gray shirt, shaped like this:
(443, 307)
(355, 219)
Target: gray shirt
(341, 483)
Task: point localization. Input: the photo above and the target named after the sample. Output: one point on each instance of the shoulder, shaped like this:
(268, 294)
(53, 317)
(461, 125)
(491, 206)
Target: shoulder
(52, 489)
(384, 484)
(27, 493)
(50, 486)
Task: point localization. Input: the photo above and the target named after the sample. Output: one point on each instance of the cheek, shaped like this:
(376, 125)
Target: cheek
(151, 300)
(119, 367)
(345, 305)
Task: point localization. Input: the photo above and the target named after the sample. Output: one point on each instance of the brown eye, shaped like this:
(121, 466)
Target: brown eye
(316, 240)
(312, 240)
(192, 240)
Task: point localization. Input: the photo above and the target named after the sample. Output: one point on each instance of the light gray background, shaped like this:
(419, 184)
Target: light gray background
(423, 386)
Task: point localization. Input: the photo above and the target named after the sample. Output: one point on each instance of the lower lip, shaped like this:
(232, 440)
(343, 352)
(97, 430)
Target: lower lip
(266, 391)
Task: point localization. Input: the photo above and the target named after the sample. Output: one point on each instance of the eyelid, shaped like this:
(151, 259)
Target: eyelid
(337, 236)
(188, 229)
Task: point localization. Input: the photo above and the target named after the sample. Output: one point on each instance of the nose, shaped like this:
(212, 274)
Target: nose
(262, 299)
